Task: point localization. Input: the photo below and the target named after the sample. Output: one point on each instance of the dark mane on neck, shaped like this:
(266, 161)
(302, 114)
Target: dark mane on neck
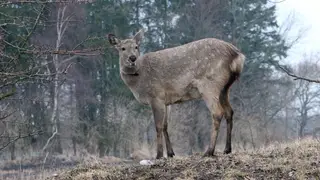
(130, 71)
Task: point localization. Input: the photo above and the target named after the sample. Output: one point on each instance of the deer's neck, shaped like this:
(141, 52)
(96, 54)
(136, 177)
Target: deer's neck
(133, 71)
(130, 75)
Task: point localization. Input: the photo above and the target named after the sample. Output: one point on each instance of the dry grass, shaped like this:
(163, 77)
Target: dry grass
(32, 168)
(34, 174)
(296, 160)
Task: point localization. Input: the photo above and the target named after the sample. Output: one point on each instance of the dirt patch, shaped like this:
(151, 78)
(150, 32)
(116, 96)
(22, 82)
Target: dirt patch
(297, 160)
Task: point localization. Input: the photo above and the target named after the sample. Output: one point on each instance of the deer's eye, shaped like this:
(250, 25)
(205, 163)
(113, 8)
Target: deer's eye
(136, 47)
(123, 49)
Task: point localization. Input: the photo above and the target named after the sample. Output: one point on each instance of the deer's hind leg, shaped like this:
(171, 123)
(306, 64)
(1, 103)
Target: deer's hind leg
(216, 110)
(228, 114)
(228, 111)
(170, 152)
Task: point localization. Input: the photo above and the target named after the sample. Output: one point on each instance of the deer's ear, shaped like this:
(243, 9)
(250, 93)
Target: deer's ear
(113, 40)
(139, 36)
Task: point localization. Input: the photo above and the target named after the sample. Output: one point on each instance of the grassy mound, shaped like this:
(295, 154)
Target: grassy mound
(297, 160)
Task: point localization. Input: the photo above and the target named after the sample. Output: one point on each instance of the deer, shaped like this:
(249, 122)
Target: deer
(204, 69)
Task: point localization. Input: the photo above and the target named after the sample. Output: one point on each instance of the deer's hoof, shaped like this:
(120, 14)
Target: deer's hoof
(159, 156)
(227, 151)
(170, 154)
(208, 153)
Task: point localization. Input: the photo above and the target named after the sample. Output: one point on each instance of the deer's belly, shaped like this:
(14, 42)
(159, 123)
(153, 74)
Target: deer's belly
(168, 95)
(179, 97)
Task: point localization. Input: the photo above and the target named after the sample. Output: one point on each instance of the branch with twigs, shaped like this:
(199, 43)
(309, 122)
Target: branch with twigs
(289, 73)
(14, 139)
(7, 115)
(41, 2)
(296, 77)
(83, 52)
(15, 77)
(7, 94)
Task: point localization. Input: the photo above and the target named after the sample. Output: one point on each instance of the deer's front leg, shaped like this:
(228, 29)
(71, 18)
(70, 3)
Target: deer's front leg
(158, 110)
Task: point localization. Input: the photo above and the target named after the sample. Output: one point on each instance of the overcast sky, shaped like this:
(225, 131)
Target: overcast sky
(307, 15)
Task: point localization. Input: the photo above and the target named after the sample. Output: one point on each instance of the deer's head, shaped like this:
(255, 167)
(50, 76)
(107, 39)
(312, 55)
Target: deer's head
(128, 48)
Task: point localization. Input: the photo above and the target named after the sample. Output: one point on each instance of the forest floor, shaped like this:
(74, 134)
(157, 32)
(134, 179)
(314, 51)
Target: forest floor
(296, 160)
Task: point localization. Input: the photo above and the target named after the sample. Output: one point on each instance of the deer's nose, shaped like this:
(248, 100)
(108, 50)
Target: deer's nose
(133, 58)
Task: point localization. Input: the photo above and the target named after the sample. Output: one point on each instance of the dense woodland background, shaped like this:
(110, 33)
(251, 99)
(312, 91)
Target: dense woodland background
(61, 93)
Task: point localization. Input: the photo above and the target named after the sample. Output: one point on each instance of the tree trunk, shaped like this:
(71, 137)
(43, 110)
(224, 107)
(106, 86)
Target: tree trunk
(74, 117)
(101, 148)
(286, 124)
(103, 128)
(74, 145)
(301, 130)
(61, 27)
(116, 152)
(303, 122)
(55, 116)
(13, 151)
(58, 145)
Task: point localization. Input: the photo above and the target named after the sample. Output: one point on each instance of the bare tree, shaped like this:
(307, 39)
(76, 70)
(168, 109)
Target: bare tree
(45, 65)
(308, 93)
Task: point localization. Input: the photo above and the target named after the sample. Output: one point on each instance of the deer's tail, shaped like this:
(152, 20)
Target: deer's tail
(237, 63)
(236, 59)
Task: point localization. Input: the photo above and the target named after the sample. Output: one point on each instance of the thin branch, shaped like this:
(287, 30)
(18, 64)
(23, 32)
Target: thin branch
(83, 52)
(8, 94)
(19, 137)
(6, 116)
(23, 76)
(32, 2)
(85, 40)
(49, 140)
(296, 77)
(34, 25)
(276, 2)
(67, 60)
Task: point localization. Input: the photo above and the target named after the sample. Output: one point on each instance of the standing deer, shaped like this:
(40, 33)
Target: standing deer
(201, 69)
